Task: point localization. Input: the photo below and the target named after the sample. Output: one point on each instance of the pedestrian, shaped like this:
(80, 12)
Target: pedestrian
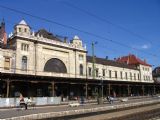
(110, 99)
(82, 100)
(22, 102)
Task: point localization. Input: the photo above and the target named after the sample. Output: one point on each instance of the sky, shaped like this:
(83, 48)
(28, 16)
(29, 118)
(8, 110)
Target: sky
(117, 23)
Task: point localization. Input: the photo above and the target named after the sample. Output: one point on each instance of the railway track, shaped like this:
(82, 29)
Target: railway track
(146, 115)
(147, 112)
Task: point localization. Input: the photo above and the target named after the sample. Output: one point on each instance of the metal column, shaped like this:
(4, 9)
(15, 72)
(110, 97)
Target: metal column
(53, 92)
(86, 91)
(109, 89)
(128, 90)
(8, 86)
(143, 90)
(154, 90)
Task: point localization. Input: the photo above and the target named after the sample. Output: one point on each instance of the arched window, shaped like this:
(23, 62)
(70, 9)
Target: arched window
(24, 63)
(55, 65)
(25, 30)
(19, 29)
(81, 69)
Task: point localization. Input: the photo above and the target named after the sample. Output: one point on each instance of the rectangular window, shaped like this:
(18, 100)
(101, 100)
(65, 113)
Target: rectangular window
(7, 63)
(110, 74)
(130, 75)
(81, 57)
(81, 69)
(115, 74)
(126, 75)
(25, 30)
(24, 47)
(90, 71)
(97, 72)
(144, 77)
(134, 76)
(103, 72)
(138, 77)
(19, 29)
(121, 74)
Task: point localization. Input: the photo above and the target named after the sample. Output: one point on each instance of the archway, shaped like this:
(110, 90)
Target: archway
(55, 65)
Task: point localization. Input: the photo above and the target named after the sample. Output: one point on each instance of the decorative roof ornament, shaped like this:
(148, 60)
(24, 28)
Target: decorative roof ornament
(33, 33)
(85, 47)
(10, 35)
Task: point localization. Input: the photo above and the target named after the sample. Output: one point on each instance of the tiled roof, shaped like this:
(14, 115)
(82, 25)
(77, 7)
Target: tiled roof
(156, 71)
(132, 60)
(47, 34)
(109, 62)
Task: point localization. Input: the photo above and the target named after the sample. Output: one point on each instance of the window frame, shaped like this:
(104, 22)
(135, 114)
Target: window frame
(24, 63)
(81, 70)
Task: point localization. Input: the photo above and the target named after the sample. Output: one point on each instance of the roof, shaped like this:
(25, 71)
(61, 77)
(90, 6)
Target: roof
(109, 62)
(132, 60)
(22, 22)
(156, 71)
(76, 37)
(46, 34)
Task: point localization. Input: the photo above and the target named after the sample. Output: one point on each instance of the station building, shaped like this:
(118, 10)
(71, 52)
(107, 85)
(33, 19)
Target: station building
(39, 64)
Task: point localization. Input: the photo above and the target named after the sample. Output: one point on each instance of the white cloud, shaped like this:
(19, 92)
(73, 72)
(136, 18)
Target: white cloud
(145, 46)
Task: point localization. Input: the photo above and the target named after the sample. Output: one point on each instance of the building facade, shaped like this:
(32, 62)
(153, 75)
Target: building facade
(41, 64)
(156, 75)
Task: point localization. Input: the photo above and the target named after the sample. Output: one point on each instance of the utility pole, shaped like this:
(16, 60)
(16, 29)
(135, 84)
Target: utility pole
(102, 86)
(93, 61)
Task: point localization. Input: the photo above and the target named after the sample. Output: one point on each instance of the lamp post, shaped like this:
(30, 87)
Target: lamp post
(101, 77)
(102, 86)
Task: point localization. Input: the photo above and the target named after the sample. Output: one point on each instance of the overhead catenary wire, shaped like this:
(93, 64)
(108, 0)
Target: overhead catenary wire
(76, 29)
(89, 42)
(56, 35)
(101, 46)
(106, 21)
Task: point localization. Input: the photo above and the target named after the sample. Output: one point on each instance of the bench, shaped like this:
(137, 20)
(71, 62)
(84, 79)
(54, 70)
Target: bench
(124, 99)
(31, 104)
(74, 104)
(21, 106)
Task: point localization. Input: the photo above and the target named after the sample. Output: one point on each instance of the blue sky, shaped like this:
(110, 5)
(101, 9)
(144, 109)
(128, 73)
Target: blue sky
(141, 17)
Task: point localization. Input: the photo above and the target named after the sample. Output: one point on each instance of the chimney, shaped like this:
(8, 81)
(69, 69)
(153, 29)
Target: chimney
(128, 59)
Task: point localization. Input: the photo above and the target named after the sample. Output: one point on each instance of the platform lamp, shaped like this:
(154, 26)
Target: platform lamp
(101, 77)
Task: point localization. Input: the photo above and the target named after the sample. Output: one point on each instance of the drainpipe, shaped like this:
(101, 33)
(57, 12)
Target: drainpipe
(93, 61)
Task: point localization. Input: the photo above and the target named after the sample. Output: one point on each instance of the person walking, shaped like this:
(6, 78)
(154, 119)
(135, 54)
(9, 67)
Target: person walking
(22, 102)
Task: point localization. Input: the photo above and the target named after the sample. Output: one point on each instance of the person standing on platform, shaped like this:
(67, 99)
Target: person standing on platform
(22, 102)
